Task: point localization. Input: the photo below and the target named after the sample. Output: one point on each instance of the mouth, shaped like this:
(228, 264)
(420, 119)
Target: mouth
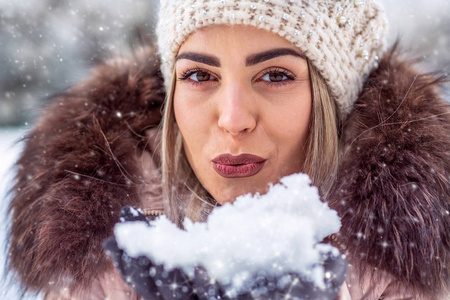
(243, 165)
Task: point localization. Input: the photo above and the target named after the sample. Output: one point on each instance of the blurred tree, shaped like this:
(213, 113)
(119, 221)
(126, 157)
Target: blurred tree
(422, 26)
(47, 45)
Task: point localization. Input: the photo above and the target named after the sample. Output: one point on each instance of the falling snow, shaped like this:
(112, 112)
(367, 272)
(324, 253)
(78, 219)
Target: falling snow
(48, 45)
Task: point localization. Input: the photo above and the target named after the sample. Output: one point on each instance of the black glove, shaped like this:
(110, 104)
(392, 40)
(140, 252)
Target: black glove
(154, 282)
(267, 287)
(150, 281)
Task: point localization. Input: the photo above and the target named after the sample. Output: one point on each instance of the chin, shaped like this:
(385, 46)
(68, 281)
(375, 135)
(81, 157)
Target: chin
(230, 193)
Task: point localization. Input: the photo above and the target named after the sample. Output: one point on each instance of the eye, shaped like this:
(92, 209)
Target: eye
(198, 76)
(201, 76)
(274, 77)
(277, 76)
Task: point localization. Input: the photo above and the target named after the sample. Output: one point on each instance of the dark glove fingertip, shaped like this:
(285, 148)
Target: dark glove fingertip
(117, 255)
(337, 266)
(110, 246)
(129, 213)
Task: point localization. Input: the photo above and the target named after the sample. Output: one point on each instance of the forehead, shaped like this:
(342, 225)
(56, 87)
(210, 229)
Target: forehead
(235, 39)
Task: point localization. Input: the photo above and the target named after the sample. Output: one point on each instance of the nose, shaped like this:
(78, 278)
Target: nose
(237, 112)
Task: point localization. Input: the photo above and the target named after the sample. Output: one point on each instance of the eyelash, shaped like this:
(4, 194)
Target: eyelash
(185, 76)
(188, 74)
(290, 77)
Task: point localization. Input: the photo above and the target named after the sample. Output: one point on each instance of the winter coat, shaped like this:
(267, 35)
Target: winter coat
(96, 149)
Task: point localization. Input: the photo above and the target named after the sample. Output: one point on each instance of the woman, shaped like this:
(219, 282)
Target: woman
(308, 81)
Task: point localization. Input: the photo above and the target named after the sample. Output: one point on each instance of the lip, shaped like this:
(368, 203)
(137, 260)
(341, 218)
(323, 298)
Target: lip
(240, 166)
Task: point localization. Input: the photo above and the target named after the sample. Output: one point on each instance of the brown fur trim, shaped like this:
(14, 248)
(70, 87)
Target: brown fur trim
(78, 169)
(393, 185)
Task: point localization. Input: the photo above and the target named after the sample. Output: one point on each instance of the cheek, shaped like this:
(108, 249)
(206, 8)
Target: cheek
(178, 108)
(292, 125)
(184, 114)
(192, 112)
(192, 122)
(292, 120)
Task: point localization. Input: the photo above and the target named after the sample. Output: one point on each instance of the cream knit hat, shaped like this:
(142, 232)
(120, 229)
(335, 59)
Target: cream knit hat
(342, 39)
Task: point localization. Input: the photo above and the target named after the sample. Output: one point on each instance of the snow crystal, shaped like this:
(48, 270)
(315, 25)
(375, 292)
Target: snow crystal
(275, 233)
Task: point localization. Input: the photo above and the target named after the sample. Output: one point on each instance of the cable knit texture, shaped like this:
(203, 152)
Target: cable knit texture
(343, 39)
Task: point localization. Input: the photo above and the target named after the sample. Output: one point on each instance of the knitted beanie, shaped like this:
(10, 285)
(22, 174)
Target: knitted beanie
(342, 39)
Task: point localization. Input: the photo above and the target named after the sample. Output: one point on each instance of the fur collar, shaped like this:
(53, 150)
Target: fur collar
(393, 186)
(80, 166)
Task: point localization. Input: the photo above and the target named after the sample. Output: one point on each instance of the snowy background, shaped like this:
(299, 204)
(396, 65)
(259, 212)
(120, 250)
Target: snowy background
(47, 45)
(9, 150)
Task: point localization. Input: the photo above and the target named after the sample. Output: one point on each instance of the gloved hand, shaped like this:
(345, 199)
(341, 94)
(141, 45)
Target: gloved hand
(266, 287)
(150, 281)
(154, 282)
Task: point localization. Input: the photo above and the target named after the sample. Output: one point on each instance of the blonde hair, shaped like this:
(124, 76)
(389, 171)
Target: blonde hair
(184, 196)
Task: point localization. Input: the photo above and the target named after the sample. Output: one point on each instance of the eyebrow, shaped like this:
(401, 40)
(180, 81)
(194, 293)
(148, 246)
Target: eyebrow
(250, 61)
(201, 58)
(266, 55)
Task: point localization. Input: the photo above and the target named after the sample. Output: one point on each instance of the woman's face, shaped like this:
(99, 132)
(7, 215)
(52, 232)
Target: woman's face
(243, 105)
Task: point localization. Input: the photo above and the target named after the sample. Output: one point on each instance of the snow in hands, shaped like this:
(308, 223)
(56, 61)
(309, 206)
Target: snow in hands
(276, 233)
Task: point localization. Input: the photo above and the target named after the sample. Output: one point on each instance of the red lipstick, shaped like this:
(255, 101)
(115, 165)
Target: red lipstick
(243, 165)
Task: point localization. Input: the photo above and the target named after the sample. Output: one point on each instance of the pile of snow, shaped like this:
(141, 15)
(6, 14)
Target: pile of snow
(275, 233)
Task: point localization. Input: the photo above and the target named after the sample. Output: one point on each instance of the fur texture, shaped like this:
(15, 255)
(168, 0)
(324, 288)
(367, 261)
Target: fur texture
(393, 185)
(79, 168)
